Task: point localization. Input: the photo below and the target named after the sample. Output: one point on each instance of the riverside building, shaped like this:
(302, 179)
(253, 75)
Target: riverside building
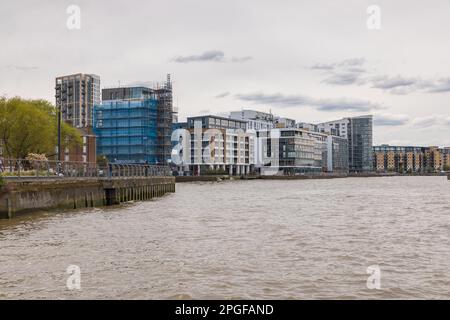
(292, 151)
(359, 133)
(216, 145)
(411, 159)
(76, 95)
(134, 124)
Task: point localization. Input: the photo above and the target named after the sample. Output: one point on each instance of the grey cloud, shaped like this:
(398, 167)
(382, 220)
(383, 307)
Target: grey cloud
(346, 104)
(447, 121)
(386, 83)
(432, 120)
(222, 95)
(390, 119)
(210, 56)
(346, 72)
(442, 85)
(400, 85)
(344, 79)
(323, 67)
(352, 72)
(241, 59)
(289, 101)
(345, 64)
(353, 62)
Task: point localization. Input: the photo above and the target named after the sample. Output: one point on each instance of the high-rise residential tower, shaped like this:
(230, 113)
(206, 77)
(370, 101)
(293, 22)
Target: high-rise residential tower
(76, 96)
(359, 132)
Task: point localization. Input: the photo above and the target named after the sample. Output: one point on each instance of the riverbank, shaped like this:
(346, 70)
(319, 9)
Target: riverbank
(20, 196)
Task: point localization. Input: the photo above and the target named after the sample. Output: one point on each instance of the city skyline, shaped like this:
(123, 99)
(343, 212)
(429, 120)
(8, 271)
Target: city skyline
(309, 64)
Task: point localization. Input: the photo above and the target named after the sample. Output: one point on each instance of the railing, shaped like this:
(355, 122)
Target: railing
(20, 168)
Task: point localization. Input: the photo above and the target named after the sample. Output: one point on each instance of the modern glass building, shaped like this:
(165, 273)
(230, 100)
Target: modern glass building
(134, 124)
(360, 141)
(359, 132)
(298, 151)
(337, 154)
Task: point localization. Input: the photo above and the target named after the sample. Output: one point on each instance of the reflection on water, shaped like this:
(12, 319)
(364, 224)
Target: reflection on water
(303, 239)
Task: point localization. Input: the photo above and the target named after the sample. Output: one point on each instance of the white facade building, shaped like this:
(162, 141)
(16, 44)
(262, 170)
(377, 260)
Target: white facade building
(256, 120)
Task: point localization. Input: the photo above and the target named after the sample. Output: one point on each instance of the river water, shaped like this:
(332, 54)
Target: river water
(303, 239)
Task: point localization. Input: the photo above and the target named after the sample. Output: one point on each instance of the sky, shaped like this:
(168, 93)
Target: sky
(312, 61)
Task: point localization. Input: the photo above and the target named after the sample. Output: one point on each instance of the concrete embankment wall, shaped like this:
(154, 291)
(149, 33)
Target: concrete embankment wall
(21, 196)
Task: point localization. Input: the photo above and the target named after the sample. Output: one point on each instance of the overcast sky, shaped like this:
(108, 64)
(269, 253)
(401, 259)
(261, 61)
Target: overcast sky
(307, 60)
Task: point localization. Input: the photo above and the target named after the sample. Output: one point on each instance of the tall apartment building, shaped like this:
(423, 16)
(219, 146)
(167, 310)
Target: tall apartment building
(134, 124)
(359, 133)
(76, 96)
(228, 146)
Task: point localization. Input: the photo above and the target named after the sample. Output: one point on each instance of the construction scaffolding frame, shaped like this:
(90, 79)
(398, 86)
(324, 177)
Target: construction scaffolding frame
(165, 114)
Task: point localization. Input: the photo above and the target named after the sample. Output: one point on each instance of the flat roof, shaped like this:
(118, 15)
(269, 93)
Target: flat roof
(78, 74)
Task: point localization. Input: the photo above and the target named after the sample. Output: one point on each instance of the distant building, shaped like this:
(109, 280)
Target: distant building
(256, 120)
(307, 126)
(434, 159)
(410, 159)
(76, 96)
(400, 159)
(134, 124)
(446, 158)
(359, 133)
(281, 122)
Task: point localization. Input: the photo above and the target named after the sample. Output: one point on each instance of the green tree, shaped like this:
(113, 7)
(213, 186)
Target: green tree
(30, 126)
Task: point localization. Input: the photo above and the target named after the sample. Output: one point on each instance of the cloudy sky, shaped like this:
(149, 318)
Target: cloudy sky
(307, 60)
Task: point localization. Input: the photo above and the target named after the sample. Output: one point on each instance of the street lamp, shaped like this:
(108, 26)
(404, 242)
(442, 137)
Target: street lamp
(59, 132)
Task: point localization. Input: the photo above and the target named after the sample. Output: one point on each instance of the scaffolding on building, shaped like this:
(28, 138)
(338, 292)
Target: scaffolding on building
(165, 115)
